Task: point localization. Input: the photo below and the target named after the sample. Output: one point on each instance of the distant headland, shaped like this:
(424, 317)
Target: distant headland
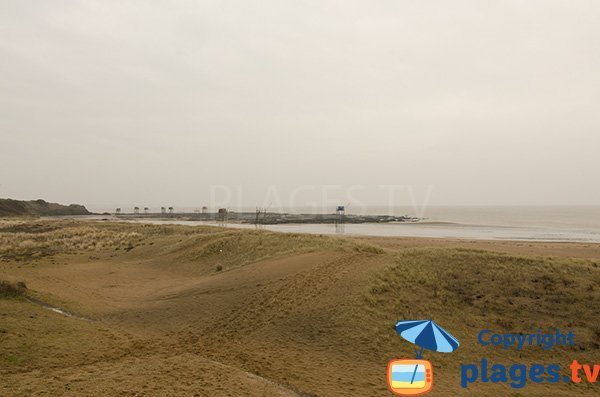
(9, 207)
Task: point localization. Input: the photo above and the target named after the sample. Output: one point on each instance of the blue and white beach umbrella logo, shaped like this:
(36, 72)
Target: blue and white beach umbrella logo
(427, 335)
(413, 377)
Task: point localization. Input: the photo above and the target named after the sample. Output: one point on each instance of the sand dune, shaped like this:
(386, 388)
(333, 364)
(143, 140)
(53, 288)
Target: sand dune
(180, 311)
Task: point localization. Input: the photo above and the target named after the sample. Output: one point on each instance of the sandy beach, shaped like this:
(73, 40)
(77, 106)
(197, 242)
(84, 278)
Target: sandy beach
(170, 310)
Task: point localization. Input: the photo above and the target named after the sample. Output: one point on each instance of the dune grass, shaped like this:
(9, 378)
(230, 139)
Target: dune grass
(23, 241)
(467, 291)
(199, 248)
(488, 288)
(32, 337)
(232, 248)
(341, 310)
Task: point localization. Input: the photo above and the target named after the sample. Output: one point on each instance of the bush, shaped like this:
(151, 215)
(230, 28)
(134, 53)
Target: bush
(12, 290)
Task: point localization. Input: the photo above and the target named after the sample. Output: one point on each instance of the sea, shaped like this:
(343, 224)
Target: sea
(526, 223)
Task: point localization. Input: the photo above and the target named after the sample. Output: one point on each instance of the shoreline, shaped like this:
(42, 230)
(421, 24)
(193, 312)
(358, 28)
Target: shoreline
(273, 218)
(420, 229)
(438, 230)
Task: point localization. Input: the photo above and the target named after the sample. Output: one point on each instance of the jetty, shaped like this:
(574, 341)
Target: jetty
(267, 218)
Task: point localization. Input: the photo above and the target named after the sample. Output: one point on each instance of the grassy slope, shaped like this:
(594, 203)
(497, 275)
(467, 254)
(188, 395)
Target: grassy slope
(46, 354)
(289, 308)
(468, 291)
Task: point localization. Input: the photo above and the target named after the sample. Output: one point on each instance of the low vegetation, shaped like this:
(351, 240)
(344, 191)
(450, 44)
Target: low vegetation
(436, 281)
(205, 247)
(272, 306)
(22, 241)
(467, 291)
(12, 290)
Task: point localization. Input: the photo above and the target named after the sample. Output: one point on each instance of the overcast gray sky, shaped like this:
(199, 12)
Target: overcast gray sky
(116, 103)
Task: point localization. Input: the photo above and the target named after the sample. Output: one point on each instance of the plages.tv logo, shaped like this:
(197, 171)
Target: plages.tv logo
(407, 377)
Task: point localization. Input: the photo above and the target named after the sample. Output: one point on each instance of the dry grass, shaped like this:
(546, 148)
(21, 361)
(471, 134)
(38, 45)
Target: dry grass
(232, 248)
(177, 307)
(198, 249)
(467, 291)
(489, 285)
(22, 241)
(32, 337)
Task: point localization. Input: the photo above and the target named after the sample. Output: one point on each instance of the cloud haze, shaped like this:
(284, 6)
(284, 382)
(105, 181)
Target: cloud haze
(111, 103)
